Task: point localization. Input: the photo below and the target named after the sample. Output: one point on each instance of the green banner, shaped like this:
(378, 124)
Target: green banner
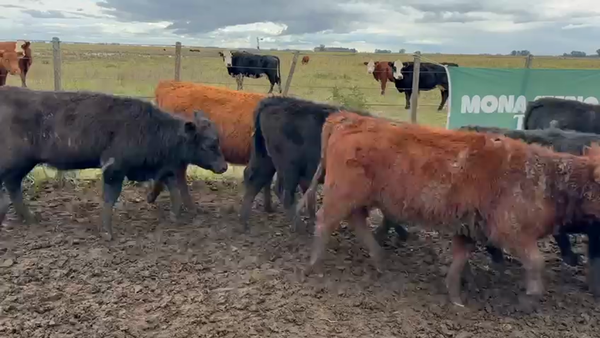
(498, 96)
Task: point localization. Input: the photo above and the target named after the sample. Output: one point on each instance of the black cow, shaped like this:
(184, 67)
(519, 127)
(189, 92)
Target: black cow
(126, 137)
(568, 114)
(240, 64)
(431, 75)
(575, 143)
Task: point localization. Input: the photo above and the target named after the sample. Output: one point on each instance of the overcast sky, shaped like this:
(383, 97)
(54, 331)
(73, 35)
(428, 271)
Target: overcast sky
(447, 26)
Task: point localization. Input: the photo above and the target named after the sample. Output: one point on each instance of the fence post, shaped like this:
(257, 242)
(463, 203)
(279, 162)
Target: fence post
(528, 61)
(177, 61)
(57, 62)
(288, 81)
(414, 97)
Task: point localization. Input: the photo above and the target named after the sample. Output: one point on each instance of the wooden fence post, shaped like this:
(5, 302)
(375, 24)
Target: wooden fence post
(528, 61)
(288, 81)
(57, 63)
(56, 56)
(414, 97)
(177, 61)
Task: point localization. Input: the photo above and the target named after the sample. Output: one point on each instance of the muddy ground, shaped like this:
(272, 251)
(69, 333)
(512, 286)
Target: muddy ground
(198, 279)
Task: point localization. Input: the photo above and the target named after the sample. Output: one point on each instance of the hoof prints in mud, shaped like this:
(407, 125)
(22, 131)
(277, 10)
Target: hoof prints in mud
(198, 278)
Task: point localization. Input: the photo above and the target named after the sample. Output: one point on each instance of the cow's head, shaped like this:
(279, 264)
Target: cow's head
(9, 60)
(227, 57)
(397, 69)
(371, 66)
(201, 146)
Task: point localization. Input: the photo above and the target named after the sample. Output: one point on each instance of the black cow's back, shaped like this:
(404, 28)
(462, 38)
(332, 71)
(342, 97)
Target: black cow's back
(568, 114)
(69, 130)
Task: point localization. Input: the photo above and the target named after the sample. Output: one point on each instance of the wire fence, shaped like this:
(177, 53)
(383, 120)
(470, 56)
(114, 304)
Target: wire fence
(333, 78)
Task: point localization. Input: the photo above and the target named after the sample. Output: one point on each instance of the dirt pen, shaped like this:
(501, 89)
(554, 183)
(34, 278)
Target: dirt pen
(203, 278)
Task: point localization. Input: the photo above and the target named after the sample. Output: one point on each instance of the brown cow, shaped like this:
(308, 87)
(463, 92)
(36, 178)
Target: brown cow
(502, 190)
(382, 72)
(10, 53)
(233, 113)
(305, 59)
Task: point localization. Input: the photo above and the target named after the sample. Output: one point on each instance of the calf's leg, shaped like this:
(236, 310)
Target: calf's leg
(113, 184)
(594, 259)
(462, 247)
(566, 252)
(12, 182)
(181, 182)
(290, 184)
(444, 93)
(256, 177)
(175, 195)
(358, 220)
(268, 207)
(407, 95)
(386, 224)
(4, 204)
(157, 188)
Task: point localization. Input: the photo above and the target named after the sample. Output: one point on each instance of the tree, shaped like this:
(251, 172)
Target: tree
(322, 47)
(578, 54)
(402, 51)
(598, 51)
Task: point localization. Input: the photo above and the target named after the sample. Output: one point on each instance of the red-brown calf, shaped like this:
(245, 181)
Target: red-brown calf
(502, 190)
(10, 53)
(382, 72)
(305, 59)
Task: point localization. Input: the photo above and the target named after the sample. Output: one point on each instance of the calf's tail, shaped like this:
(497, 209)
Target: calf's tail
(311, 192)
(257, 137)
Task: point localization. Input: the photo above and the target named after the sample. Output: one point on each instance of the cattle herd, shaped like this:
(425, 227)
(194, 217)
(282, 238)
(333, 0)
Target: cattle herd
(504, 189)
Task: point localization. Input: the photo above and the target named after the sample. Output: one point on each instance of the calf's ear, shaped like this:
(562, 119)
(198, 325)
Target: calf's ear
(1, 53)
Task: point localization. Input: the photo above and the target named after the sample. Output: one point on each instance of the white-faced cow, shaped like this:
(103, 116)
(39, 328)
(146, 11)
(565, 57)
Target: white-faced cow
(240, 64)
(431, 76)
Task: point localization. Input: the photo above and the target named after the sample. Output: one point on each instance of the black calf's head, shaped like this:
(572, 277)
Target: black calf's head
(202, 144)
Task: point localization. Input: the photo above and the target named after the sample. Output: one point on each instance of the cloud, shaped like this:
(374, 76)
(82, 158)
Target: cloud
(448, 26)
(45, 14)
(203, 16)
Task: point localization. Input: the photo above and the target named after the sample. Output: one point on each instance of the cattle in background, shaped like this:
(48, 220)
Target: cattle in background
(575, 143)
(305, 59)
(126, 137)
(433, 174)
(25, 62)
(240, 64)
(231, 111)
(10, 54)
(195, 50)
(567, 114)
(431, 76)
(382, 72)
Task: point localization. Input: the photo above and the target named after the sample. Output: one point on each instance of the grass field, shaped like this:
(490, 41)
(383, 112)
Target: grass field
(135, 70)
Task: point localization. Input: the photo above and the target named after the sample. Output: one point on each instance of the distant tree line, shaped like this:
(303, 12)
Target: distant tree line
(523, 52)
(322, 48)
(575, 53)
